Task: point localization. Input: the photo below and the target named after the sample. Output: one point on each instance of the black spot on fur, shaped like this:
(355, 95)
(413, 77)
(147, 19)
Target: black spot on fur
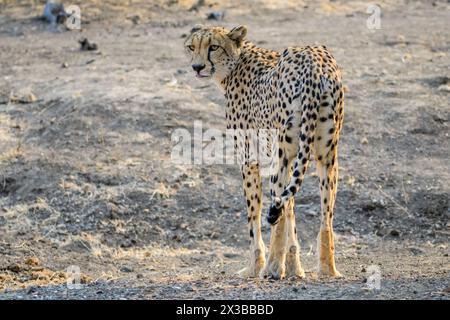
(274, 215)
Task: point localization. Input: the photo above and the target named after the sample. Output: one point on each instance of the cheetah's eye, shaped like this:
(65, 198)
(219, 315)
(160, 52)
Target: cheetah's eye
(191, 48)
(213, 48)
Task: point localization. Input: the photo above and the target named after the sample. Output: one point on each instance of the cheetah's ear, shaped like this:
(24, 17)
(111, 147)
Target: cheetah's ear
(238, 34)
(196, 28)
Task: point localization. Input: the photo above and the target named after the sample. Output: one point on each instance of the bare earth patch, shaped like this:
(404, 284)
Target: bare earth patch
(85, 139)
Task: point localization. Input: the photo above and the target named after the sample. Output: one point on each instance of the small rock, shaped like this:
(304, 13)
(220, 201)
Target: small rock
(33, 261)
(14, 268)
(416, 251)
(78, 245)
(312, 212)
(27, 97)
(401, 38)
(212, 235)
(196, 6)
(444, 88)
(176, 238)
(350, 180)
(31, 289)
(183, 226)
(126, 269)
(84, 279)
(406, 57)
(55, 13)
(65, 65)
(135, 19)
(373, 205)
(216, 15)
(139, 276)
(181, 71)
(87, 46)
(379, 233)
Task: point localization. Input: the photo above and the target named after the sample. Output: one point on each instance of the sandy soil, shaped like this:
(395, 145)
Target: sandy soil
(85, 140)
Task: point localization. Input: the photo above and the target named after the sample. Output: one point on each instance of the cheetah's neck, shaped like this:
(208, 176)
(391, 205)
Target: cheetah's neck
(252, 63)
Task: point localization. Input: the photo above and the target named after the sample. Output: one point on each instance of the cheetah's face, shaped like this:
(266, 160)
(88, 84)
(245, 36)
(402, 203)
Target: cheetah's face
(214, 50)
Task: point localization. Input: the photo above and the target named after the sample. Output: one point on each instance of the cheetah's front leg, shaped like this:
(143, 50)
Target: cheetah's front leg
(276, 265)
(283, 225)
(252, 191)
(284, 254)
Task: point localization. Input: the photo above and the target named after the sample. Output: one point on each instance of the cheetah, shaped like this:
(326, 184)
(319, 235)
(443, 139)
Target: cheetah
(299, 93)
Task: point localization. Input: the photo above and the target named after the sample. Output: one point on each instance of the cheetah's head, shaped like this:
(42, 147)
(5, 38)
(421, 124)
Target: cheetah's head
(214, 50)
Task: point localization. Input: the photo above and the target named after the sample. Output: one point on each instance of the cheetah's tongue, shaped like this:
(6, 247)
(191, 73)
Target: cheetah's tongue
(199, 75)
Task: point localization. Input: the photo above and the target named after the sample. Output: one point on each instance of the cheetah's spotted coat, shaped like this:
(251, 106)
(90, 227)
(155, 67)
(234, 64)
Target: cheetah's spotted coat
(298, 92)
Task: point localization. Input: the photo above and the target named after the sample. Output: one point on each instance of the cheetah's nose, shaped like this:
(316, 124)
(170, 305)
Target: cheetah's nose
(198, 67)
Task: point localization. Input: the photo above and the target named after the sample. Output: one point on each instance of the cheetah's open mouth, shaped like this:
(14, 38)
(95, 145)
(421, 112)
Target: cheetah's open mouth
(203, 75)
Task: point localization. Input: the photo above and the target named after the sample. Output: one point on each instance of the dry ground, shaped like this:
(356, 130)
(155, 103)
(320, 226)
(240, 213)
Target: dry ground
(85, 140)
